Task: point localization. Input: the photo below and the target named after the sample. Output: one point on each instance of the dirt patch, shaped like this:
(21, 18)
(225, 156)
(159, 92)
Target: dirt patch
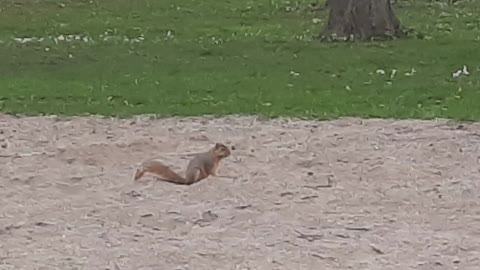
(404, 195)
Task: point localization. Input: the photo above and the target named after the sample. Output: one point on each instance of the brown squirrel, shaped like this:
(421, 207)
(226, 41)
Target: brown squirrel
(200, 167)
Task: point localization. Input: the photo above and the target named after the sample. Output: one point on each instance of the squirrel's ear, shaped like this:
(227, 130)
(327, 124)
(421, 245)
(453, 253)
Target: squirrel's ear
(218, 145)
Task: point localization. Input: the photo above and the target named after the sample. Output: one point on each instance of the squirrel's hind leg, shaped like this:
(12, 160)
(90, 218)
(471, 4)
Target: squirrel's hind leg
(194, 175)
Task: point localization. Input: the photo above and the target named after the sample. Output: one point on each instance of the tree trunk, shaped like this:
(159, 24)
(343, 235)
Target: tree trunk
(361, 20)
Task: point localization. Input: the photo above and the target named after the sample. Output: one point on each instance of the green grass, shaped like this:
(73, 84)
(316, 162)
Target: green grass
(233, 57)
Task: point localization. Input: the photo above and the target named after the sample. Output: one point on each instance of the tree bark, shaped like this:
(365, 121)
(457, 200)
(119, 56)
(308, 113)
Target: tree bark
(361, 20)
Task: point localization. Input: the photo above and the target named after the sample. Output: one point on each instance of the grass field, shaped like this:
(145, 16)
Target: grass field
(191, 57)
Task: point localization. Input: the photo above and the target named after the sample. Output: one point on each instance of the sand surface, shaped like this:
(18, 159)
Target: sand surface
(403, 195)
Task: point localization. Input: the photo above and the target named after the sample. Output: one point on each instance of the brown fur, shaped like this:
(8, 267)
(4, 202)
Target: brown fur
(200, 167)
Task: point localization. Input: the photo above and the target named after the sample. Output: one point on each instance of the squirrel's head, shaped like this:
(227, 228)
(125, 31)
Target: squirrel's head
(221, 150)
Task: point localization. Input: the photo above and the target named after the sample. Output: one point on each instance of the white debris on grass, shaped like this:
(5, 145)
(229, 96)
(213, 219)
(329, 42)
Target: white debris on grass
(78, 38)
(460, 72)
(380, 71)
(412, 71)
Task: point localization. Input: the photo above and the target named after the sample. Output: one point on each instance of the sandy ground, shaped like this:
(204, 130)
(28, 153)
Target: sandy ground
(404, 195)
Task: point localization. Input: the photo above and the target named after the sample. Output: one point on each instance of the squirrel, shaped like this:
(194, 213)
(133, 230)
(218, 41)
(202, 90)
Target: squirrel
(199, 167)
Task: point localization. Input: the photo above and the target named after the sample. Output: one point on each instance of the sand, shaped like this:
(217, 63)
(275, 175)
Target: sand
(403, 194)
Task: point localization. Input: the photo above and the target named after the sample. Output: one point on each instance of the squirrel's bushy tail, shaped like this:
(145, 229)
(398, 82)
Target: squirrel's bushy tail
(167, 174)
(162, 172)
(139, 173)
